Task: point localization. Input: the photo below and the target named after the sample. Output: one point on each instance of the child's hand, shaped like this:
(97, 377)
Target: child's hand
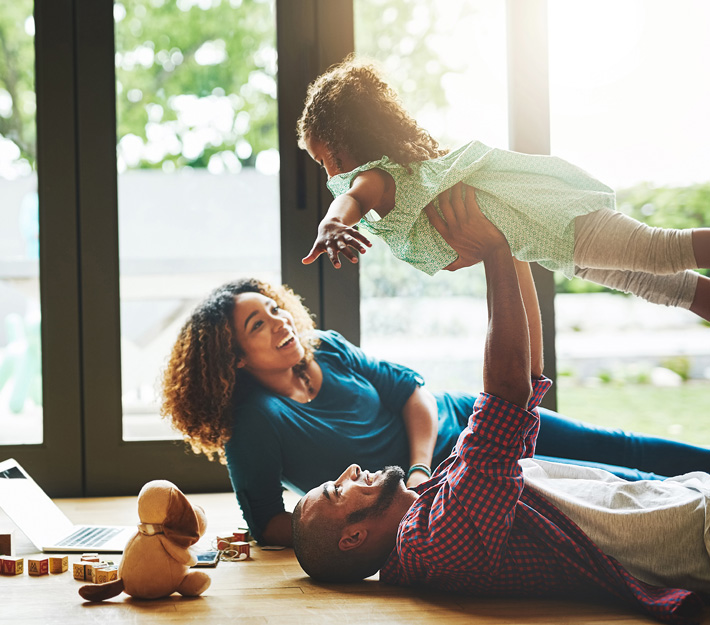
(464, 227)
(334, 238)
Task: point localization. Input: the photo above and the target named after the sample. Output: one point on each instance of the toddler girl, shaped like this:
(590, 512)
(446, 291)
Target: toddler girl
(384, 169)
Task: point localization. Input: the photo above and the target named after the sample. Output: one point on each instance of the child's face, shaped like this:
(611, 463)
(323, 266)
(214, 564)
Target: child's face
(323, 156)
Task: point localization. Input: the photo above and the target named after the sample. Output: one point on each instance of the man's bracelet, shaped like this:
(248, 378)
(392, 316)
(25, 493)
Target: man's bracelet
(419, 466)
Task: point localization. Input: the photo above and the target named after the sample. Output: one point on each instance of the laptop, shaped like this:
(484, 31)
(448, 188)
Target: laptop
(45, 525)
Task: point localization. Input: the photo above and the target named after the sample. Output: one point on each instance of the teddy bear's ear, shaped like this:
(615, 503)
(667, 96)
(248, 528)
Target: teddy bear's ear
(180, 524)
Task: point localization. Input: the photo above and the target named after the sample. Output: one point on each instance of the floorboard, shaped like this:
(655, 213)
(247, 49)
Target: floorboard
(267, 589)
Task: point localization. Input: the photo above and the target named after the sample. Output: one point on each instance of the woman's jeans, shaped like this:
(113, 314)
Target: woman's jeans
(562, 439)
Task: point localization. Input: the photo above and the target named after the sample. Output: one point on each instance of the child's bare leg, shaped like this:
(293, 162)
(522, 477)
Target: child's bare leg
(701, 301)
(701, 247)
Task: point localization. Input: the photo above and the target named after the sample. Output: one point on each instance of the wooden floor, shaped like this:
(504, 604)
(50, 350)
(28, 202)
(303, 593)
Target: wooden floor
(268, 588)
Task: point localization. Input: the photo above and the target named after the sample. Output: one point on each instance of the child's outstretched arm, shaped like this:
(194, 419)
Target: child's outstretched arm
(336, 234)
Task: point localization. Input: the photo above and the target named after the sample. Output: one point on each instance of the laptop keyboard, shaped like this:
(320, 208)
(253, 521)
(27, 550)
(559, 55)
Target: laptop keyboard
(89, 537)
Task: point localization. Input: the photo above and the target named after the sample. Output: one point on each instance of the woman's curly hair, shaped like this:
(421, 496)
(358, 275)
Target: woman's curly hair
(352, 110)
(202, 385)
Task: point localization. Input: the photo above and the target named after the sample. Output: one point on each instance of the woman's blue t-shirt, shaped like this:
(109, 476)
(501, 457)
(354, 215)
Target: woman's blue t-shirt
(355, 418)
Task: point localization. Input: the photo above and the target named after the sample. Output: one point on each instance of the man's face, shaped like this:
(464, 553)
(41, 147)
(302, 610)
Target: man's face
(355, 495)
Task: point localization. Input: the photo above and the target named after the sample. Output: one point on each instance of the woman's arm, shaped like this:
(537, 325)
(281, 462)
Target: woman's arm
(255, 464)
(421, 420)
(278, 530)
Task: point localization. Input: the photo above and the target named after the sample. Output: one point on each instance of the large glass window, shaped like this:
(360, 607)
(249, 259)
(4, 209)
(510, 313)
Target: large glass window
(198, 167)
(629, 95)
(449, 68)
(20, 359)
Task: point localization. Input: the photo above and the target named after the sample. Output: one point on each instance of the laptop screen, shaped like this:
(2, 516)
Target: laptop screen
(29, 507)
(12, 473)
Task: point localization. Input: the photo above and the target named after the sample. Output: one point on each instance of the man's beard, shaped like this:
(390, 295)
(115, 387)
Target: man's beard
(390, 487)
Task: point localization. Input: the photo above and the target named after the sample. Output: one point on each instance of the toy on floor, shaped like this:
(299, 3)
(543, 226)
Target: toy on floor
(157, 559)
(235, 546)
(38, 566)
(58, 564)
(10, 565)
(92, 569)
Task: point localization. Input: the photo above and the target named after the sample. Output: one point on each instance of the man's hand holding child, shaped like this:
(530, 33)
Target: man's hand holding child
(464, 227)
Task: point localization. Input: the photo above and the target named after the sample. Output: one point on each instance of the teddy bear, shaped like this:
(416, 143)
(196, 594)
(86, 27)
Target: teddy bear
(157, 559)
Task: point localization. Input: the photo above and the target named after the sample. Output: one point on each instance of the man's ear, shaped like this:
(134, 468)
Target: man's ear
(353, 537)
(241, 363)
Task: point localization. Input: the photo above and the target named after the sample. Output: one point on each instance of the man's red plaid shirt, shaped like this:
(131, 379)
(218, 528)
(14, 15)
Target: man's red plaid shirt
(475, 529)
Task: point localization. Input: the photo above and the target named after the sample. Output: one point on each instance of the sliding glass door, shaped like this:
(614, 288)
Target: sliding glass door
(21, 414)
(633, 112)
(40, 404)
(198, 174)
(464, 74)
(181, 189)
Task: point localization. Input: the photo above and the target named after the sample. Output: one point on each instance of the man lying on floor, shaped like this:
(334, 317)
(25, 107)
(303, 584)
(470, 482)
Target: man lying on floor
(492, 520)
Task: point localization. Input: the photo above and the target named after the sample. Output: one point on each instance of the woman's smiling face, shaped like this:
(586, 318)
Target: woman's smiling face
(266, 335)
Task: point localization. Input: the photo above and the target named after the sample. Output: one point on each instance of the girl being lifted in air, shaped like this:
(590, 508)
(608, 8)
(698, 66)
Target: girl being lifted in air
(384, 170)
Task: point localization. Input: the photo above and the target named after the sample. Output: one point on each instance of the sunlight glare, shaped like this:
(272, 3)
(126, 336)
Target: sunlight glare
(629, 89)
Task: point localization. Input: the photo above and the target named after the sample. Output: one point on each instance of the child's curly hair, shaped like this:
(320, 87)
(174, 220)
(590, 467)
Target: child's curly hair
(351, 109)
(201, 385)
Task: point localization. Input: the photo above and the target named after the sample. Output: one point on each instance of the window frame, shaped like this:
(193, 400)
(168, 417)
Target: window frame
(57, 462)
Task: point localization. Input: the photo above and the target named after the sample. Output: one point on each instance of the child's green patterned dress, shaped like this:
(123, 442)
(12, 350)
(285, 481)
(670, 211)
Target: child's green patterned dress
(531, 199)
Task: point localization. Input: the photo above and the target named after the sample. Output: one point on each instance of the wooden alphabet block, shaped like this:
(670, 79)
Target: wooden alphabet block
(241, 535)
(6, 547)
(38, 566)
(12, 566)
(79, 570)
(105, 574)
(239, 550)
(58, 564)
(223, 542)
(93, 568)
(90, 557)
(100, 575)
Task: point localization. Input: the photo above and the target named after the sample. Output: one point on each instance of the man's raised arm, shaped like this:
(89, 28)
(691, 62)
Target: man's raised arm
(506, 357)
(483, 471)
(506, 360)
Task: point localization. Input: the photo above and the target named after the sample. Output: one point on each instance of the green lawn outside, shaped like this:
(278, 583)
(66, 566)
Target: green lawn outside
(681, 413)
